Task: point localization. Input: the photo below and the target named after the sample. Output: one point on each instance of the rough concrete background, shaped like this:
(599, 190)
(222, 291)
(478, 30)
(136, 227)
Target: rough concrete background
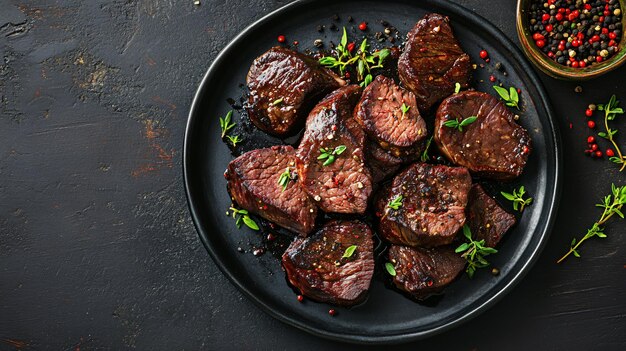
(97, 249)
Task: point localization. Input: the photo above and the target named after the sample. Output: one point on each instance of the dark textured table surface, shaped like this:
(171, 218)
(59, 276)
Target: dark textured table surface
(97, 248)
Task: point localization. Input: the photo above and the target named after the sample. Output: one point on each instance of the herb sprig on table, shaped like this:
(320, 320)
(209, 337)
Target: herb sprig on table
(612, 205)
(510, 97)
(519, 202)
(395, 203)
(362, 61)
(474, 252)
(226, 124)
(611, 110)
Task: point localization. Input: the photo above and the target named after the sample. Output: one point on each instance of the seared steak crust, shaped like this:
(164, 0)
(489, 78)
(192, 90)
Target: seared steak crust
(380, 113)
(433, 205)
(284, 85)
(252, 181)
(316, 266)
(422, 272)
(344, 185)
(494, 146)
(486, 218)
(432, 61)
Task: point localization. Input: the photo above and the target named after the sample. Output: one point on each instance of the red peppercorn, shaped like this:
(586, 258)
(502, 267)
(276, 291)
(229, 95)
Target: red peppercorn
(612, 35)
(582, 64)
(550, 54)
(612, 42)
(588, 112)
(483, 54)
(580, 36)
(545, 17)
(594, 147)
(598, 58)
(492, 79)
(351, 46)
(559, 17)
(591, 139)
(588, 7)
(300, 298)
(561, 10)
(549, 28)
(610, 153)
(561, 47)
(525, 150)
(537, 36)
(281, 38)
(540, 43)
(601, 19)
(606, 12)
(595, 38)
(575, 64)
(591, 124)
(571, 17)
(598, 154)
(332, 312)
(605, 30)
(362, 26)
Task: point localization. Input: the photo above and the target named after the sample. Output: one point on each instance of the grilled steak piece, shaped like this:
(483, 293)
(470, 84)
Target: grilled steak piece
(432, 208)
(252, 181)
(494, 146)
(382, 164)
(422, 272)
(389, 115)
(432, 61)
(316, 266)
(284, 85)
(344, 184)
(486, 219)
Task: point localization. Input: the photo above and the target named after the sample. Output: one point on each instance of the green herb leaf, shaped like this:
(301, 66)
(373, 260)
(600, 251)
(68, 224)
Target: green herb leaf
(474, 252)
(284, 178)
(454, 123)
(390, 269)
(404, 109)
(425, 157)
(519, 202)
(457, 87)
(234, 139)
(396, 202)
(366, 81)
(612, 206)
(225, 123)
(349, 251)
(611, 111)
(277, 101)
(510, 96)
(250, 223)
(468, 121)
(243, 216)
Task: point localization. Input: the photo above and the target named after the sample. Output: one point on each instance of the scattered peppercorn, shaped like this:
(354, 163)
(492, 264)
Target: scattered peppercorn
(576, 33)
(362, 26)
(483, 54)
(300, 298)
(589, 112)
(598, 154)
(591, 140)
(610, 152)
(332, 312)
(495, 271)
(578, 89)
(281, 39)
(591, 124)
(318, 43)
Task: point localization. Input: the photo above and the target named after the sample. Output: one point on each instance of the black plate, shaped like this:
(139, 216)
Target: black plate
(387, 316)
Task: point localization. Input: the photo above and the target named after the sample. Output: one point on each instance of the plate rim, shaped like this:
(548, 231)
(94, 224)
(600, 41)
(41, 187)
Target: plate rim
(402, 336)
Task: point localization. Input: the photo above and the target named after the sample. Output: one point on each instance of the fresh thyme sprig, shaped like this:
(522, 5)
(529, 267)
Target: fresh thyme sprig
(349, 251)
(612, 205)
(474, 252)
(226, 124)
(284, 178)
(330, 155)
(364, 61)
(277, 101)
(390, 269)
(234, 139)
(425, 157)
(243, 216)
(455, 123)
(518, 198)
(405, 108)
(457, 87)
(396, 202)
(510, 97)
(611, 110)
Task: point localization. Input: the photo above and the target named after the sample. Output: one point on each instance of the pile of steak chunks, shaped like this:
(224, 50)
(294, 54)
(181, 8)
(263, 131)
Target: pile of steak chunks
(374, 143)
